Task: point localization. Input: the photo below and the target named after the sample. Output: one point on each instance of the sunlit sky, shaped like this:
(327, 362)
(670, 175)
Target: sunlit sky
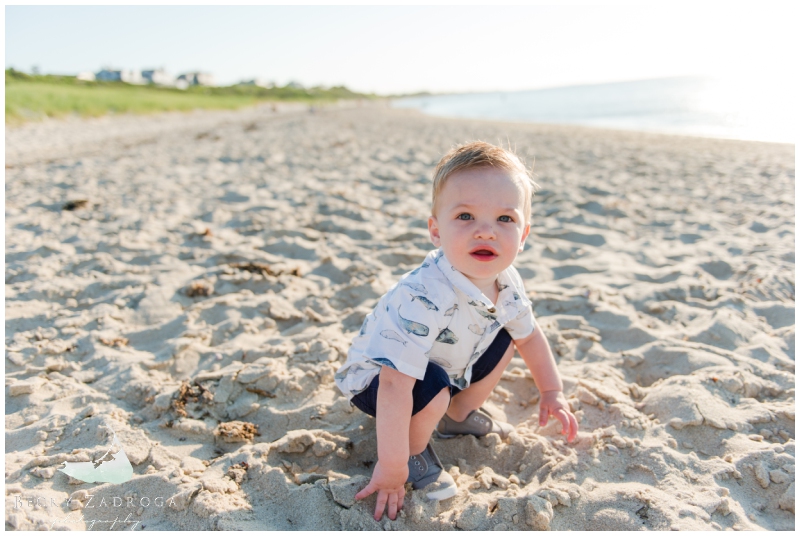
(406, 49)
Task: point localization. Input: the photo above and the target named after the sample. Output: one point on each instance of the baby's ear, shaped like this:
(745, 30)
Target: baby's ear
(525, 233)
(433, 229)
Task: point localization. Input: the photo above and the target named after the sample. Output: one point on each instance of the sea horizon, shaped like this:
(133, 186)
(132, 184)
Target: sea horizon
(687, 105)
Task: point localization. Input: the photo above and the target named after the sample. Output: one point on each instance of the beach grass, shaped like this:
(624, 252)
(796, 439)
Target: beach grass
(30, 98)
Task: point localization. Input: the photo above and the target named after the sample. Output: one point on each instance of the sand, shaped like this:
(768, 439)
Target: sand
(203, 289)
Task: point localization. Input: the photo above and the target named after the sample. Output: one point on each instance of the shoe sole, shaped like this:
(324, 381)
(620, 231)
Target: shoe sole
(447, 488)
(442, 494)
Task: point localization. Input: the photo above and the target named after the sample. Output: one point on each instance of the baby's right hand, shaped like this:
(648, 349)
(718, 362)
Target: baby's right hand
(553, 403)
(390, 482)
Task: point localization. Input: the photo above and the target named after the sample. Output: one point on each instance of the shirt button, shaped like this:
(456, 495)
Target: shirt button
(492, 310)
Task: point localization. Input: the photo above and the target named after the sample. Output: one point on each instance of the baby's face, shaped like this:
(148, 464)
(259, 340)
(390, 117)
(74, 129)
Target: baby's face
(479, 223)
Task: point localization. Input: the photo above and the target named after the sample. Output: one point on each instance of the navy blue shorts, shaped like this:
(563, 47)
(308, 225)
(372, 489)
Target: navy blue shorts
(436, 379)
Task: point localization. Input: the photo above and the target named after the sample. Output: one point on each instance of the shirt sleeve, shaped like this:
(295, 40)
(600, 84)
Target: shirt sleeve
(523, 325)
(405, 329)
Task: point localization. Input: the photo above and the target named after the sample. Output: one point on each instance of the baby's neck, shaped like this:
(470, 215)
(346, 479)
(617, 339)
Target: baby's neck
(489, 288)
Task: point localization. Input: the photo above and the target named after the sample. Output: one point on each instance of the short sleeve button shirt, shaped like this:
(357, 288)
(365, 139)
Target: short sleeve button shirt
(434, 313)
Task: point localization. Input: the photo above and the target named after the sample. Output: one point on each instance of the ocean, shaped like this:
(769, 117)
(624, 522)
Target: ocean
(695, 106)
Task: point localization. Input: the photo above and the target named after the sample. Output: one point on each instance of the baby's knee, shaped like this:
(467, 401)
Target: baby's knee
(438, 404)
(442, 400)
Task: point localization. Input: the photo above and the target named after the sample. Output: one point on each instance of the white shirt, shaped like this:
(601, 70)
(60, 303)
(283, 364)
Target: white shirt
(434, 313)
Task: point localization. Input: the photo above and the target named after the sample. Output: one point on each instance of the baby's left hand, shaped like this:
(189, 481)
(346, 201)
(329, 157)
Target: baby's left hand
(554, 403)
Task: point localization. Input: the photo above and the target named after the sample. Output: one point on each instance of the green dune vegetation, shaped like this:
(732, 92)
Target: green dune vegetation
(34, 97)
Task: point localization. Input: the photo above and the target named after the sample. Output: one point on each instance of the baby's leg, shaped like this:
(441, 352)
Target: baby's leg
(471, 398)
(423, 423)
(431, 395)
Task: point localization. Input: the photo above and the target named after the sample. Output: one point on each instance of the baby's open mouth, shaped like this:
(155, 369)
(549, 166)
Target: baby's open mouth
(483, 254)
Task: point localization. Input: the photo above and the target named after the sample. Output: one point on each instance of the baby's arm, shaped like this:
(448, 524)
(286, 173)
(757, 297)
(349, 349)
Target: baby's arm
(537, 355)
(392, 423)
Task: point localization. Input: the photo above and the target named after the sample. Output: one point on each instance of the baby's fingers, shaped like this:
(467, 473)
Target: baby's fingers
(366, 492)
(544, 413)
(569, 424)
(563, 418)
(573, 431)
(393, 506)
(380, 505)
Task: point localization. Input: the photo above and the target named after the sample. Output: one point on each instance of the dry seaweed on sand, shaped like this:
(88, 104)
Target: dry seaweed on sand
(190, 394)
(260, 392)
(236, 431)
(199, 288)
(118, 342)
(75, 204)
(237, 472)
(265, 269)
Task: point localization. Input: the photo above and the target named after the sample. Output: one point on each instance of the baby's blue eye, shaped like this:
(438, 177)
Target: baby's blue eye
(464, 216)
(505, 219)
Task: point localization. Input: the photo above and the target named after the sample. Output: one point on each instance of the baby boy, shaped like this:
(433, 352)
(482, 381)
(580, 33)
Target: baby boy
(433, 349)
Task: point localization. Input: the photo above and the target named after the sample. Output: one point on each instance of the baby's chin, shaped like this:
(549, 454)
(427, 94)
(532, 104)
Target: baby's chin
(483, 270)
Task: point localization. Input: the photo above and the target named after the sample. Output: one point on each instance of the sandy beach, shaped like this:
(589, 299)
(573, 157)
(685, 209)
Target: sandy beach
(191, 282)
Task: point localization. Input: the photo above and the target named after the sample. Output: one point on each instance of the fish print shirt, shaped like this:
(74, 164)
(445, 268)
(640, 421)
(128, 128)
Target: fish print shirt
(434, 313)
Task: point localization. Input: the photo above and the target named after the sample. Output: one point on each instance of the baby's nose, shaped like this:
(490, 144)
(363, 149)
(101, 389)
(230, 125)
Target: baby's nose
(485, 231)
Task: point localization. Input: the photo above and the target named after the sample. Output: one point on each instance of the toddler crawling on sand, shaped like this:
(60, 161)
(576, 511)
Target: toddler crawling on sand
(435, 346)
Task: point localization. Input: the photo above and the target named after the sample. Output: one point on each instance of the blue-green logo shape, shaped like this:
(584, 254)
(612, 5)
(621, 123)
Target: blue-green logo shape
(113, 468)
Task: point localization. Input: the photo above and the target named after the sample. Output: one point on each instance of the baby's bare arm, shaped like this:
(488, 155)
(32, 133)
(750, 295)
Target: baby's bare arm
(393, 416)
(537, 355)
(393, 420)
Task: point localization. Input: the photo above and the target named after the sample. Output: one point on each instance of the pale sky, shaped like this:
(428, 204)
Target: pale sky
(411, 48)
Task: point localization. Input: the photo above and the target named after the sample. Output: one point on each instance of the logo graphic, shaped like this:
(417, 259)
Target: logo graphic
(113, 466)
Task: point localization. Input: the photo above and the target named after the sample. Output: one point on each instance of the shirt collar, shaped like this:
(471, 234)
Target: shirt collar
(466, 286)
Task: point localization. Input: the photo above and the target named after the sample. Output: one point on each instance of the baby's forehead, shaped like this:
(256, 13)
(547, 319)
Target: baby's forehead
(483, 180)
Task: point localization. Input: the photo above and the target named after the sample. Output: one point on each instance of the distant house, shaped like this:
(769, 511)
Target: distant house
(108, 75)
(152, 76)
(196, 79)
(86, 76)
(295, 85)
(159, 77)
(260, 82)
(129, 76)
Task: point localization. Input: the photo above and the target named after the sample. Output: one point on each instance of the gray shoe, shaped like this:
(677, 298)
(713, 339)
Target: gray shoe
(426, 471)
(477, 423)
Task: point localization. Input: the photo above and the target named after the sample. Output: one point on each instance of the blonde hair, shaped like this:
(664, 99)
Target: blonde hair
(479, 154)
